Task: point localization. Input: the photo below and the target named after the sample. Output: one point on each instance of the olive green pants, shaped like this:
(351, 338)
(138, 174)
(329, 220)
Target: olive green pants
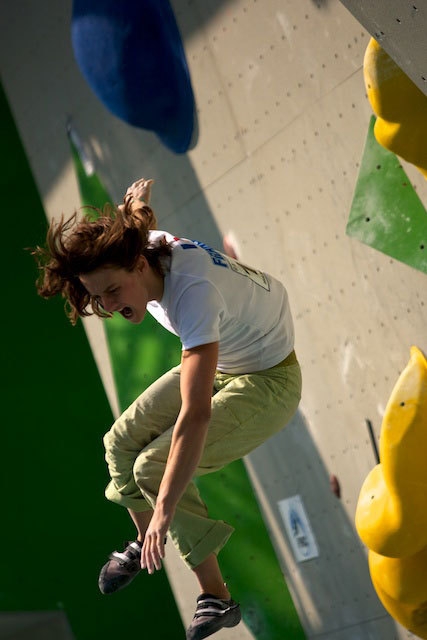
(246, 410)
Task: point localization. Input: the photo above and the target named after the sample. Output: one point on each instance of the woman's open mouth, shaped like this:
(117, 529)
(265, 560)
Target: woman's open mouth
(126, 312)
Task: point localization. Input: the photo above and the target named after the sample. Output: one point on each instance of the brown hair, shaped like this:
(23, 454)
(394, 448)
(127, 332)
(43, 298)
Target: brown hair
(114, 237)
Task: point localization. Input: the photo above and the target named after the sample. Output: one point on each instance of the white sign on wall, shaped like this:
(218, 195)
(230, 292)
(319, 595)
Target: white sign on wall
(298, 528)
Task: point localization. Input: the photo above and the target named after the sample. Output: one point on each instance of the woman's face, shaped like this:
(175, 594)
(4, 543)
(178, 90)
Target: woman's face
(127, 292)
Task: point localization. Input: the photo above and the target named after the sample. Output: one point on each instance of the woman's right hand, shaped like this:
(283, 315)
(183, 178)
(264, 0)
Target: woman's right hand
(139, 191)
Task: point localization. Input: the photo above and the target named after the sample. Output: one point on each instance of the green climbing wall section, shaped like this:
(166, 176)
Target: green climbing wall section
(57, 528)
(386, 212)
(140, 354)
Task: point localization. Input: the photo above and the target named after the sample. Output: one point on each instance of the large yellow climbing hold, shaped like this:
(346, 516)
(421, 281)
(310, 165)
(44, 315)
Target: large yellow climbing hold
(411, 613)
(391, 514)
(401, 107)
(403, 579)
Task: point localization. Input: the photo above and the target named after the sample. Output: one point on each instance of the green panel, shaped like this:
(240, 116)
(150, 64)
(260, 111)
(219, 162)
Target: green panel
(386, 213)
(57, 528)
(140, 354)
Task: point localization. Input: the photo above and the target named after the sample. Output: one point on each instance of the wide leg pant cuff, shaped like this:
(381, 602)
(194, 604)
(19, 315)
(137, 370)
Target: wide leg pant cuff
(212, 542)
(136, 503)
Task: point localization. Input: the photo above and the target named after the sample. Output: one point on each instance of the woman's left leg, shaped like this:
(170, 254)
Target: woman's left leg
(246, 411)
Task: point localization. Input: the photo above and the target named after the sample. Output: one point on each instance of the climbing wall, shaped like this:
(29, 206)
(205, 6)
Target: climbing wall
(283, 122)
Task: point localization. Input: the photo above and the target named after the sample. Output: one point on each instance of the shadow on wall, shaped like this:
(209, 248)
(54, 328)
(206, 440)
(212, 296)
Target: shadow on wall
(121, 153)
(320, 3)
(177, 183)
(290, 464)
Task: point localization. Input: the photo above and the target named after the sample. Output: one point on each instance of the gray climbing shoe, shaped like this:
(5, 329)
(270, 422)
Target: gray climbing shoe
(121, 568)
(212, 614)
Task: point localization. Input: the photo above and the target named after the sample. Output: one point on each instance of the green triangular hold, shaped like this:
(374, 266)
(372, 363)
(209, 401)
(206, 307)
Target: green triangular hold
(386, 212)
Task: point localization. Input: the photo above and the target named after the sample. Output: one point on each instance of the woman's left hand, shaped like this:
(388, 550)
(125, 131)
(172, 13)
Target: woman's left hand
(153, 550)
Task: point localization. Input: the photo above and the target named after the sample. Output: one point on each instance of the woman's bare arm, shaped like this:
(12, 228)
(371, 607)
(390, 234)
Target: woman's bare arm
(188, 439)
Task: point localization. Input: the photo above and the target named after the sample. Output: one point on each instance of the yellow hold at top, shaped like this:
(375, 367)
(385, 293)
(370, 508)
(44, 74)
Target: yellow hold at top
(391, 514)
(400, 107)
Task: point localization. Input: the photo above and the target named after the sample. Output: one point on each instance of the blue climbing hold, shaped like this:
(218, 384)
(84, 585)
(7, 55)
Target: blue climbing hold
(131, 54)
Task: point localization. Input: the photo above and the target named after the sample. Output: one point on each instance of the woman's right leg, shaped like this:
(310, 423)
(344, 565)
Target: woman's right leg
(141, 520)
(152, 414)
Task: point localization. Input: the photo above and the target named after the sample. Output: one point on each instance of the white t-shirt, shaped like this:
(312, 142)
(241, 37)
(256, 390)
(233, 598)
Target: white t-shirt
(210, 297)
